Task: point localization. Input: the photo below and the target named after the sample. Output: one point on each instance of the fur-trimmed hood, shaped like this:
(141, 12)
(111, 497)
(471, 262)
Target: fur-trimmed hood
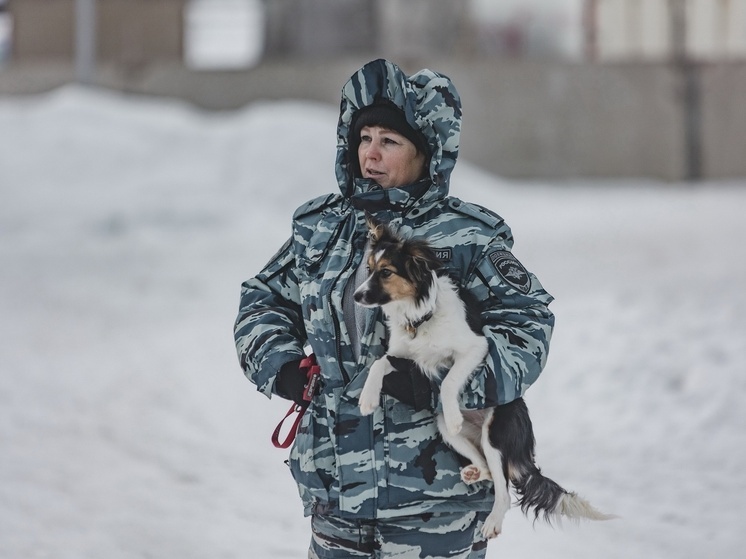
(430, 104)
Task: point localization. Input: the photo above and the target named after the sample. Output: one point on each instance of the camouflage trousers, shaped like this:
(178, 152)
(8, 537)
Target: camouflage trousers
(431, 536)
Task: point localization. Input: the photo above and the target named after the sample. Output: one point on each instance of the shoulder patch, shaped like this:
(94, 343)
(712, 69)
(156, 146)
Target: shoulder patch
(476, 211)
(511, 270)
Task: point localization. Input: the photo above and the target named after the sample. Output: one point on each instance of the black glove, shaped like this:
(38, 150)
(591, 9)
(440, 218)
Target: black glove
(408, 384)
(291, 382)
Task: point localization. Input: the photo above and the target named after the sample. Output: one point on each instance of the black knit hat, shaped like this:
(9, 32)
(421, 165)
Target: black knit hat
(387, 116)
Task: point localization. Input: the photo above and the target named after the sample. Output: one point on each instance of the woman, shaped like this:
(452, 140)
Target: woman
(386, 484)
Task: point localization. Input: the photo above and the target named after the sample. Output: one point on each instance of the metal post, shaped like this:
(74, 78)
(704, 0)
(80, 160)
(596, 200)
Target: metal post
(677, 17)
(85, 41)
(688, 73)
(590, 29)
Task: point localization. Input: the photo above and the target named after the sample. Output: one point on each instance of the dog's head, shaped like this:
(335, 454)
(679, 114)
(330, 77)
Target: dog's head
(398, 269)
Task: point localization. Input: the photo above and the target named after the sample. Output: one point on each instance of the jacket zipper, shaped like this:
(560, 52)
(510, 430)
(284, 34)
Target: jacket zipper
(335, 319)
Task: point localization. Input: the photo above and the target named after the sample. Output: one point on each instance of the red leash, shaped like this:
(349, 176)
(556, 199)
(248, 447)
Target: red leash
(313, 372)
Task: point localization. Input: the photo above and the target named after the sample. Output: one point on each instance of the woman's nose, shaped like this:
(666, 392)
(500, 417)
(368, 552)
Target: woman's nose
(373, 152)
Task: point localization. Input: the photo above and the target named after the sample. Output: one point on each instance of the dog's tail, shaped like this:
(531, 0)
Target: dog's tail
(547, 499)
(511, 432)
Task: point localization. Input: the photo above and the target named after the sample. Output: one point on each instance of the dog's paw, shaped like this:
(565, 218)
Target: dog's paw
(472, 474)
(493, 526)
(367, 408)
(369, 401)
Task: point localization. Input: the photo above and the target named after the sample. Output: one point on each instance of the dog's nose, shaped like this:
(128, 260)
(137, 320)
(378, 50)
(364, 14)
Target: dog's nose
(358, 296)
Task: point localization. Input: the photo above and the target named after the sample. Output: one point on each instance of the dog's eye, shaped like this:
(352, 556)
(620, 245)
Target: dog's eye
(386, 273)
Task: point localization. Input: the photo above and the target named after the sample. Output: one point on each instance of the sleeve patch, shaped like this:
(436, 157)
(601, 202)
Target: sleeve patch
(510, 270)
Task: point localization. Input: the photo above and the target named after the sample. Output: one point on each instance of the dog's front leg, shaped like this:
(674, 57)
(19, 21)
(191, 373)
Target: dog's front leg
(464, 364)
(449, 396)
(370, 396)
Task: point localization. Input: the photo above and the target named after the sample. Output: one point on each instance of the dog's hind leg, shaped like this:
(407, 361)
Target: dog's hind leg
(463, 443)
(498, 467)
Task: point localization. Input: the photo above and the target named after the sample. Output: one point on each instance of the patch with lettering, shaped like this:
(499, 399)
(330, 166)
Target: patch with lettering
(511, 271)
(443, 254)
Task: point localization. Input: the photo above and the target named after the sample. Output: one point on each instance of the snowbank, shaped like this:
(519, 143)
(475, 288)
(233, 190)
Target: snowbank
(127, 429)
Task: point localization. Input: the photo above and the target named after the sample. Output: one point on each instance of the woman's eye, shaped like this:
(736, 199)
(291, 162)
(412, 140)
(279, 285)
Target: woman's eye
(390, 141)
(364, 138)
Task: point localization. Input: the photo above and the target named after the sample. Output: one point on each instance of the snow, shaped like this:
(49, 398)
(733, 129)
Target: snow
(127, 429)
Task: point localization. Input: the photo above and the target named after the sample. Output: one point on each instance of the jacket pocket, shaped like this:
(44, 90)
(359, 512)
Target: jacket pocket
(313, 244)
(312, 460)
(421, 465)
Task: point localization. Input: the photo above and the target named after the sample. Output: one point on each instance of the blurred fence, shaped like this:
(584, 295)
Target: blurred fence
(521, 119)
(656, 107)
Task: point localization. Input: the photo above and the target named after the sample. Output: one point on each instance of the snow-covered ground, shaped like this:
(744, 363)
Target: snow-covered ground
(127, 429)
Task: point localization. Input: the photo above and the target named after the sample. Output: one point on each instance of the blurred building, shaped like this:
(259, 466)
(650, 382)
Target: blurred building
(535, 29)
(299, 28)
(130, 33)
(223, 34)
(315, 29)
(665, 29)
(135, 32)
(551, 88)
(6, 27)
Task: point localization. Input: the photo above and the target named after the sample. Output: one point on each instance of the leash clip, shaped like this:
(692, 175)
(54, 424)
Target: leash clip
(313, 374)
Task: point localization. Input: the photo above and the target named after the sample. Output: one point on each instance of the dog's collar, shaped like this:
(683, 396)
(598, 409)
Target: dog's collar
(412, 325)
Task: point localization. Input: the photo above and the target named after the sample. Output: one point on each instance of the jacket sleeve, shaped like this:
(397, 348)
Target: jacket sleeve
(269, 329)
(517, 323)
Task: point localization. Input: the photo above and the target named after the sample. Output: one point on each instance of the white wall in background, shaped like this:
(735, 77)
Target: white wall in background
(223, 34)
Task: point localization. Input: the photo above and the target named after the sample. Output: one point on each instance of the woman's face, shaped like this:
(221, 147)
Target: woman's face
(389, 158)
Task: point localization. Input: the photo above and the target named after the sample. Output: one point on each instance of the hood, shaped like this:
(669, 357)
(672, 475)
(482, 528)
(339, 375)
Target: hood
(430, 104)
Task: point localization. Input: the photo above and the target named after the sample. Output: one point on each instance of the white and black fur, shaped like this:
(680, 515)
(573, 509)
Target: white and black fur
(429, 323)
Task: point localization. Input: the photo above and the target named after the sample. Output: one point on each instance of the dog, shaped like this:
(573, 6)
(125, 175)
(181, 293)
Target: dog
(430, 322)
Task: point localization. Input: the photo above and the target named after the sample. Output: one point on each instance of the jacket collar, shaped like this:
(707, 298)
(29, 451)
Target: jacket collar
(369, 196)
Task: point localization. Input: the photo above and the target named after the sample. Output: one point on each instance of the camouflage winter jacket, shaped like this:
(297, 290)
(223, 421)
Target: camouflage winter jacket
(392, 462)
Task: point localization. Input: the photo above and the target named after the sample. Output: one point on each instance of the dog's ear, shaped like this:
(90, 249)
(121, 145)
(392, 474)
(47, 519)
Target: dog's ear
(380, 232)
(375, 227)
(416, 270)
(421, 262)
